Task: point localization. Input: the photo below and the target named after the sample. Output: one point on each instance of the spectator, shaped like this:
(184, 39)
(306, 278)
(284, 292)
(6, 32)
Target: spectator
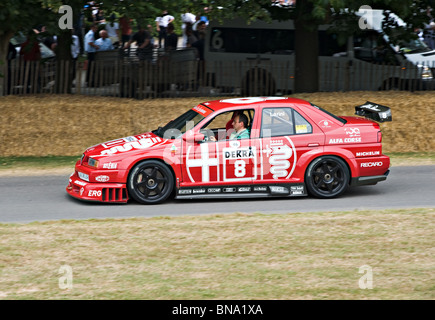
(161, 25)
(429, 30)
(186, 18)
(31, 53)
(191, 38)
(171, 39)
(90, 48)
(125, 26)
(103, 42)
(142, 38)
(112, 29)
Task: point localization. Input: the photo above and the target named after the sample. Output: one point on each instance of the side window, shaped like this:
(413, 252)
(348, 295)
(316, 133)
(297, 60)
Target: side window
(283, 122)
(221, 125)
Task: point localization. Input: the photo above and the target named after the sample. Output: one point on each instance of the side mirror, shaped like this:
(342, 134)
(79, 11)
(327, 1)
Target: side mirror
(191, 136)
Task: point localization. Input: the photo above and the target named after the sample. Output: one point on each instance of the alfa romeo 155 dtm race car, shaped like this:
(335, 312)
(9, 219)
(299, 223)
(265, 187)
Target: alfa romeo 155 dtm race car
(291, 147)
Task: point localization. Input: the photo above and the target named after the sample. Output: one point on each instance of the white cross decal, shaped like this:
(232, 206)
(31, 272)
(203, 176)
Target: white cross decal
(205, 162)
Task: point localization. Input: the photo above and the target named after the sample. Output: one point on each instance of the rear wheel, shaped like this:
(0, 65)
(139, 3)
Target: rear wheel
(150, 182)
(327, 177)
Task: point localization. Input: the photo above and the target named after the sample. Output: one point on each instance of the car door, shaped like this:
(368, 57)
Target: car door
(285, 136)
(220, 162)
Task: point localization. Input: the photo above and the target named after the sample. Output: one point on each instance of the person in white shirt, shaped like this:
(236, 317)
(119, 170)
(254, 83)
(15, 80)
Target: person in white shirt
(186, 18)
(104, 43)
(112, 29)
(161, 25)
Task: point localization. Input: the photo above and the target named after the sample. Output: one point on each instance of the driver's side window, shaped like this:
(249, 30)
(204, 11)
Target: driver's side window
(221, 126)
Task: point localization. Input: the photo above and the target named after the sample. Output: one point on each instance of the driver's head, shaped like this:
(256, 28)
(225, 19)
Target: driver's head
(240, 122)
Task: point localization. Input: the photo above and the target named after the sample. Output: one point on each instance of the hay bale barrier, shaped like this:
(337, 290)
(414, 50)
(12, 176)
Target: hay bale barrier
(64, 125)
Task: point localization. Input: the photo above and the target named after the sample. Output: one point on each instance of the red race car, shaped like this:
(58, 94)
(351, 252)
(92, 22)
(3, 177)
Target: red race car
(242, 147)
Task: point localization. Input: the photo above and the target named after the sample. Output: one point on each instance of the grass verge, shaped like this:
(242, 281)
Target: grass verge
(235, 256)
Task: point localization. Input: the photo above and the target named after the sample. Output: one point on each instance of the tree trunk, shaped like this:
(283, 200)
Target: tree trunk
(4, 48)
(306, 59)
(307, 48)
(64, 63)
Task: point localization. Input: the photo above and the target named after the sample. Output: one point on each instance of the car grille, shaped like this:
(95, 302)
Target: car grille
(114, 194)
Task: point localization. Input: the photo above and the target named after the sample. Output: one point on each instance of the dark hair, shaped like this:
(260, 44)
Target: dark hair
(243, 118)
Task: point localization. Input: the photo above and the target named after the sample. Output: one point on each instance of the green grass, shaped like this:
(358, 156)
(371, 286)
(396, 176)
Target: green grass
(234, 256)
(47, 162)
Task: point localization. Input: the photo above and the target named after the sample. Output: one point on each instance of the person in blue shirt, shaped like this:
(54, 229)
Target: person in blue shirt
(104, 43)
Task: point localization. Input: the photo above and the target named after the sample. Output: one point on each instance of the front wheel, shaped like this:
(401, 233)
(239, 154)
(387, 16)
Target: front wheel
(150, 182)
(327, 177)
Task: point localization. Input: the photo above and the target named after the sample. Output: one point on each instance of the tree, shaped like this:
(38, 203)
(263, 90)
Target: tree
(308, 15)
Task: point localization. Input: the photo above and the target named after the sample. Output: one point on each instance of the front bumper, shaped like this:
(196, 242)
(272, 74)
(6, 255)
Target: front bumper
(100, 192)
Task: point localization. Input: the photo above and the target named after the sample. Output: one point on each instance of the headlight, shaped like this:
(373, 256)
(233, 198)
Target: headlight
(426, 73)
(92, 162)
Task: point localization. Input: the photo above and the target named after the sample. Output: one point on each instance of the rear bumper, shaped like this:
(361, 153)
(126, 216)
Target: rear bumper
(369, 180)
(99, 192)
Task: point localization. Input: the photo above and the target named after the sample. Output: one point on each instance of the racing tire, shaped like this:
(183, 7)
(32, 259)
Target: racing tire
(150, 182)
(327, 177)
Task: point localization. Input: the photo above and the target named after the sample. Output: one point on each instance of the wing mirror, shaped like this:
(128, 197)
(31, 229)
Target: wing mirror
(191, 136)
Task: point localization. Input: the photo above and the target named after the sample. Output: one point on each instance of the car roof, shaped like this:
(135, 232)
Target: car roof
(217, 105)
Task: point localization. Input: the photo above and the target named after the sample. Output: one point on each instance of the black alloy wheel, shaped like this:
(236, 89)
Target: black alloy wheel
(327, 177)
(150, 182)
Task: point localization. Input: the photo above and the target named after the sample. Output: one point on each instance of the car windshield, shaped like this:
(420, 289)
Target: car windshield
(414, 46)
(174, 129)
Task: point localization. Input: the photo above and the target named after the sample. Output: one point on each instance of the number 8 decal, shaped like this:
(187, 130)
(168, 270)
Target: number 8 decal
(239, 168)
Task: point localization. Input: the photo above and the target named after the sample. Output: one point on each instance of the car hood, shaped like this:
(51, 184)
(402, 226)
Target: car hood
(126, 146)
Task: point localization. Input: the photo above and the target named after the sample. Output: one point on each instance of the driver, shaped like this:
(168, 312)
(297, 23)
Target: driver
(240, 124)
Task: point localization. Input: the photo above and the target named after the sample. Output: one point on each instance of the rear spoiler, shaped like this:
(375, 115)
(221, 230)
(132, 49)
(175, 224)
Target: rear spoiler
(374, 111)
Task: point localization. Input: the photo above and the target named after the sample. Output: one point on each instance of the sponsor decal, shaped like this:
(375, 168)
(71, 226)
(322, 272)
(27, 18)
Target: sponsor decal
(352, 132)
(110, 165)
(214, 190)
(279, 159)
(297, 190)
(260, 189)
(371, 107)
(102, 178)
(229, 190)
(198, 190)
(325, 124)
(80, 183)
(184, 191)
(368, 153)
(81, 191)
(276, 189)
(143, 143)
(244, 189)
(345, 140)
(201, 110)
(94, 193)
(371, 164)
(242, 153)
(301, 128)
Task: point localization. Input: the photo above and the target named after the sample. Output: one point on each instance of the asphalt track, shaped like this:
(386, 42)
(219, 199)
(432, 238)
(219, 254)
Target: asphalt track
(42, 198)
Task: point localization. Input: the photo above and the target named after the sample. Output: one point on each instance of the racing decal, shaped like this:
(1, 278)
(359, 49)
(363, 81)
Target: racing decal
(367, 153)
(251, 99)
(354, 135)
(325, 124)
(237, 163)
(278, 158)
(204, 162)
(371, 164)
(133, 143)
(94, 193)
(201, 110)
(110, 165)
(102, 178)
(284, 189)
